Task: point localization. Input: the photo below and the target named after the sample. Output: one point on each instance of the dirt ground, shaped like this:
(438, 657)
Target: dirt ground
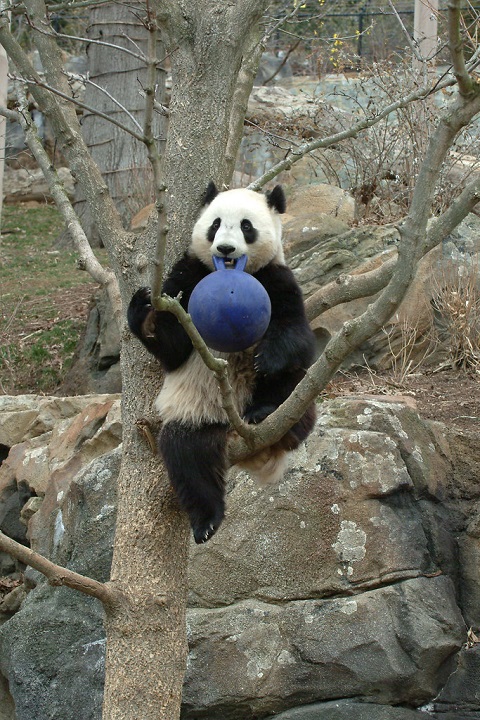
(448, 396)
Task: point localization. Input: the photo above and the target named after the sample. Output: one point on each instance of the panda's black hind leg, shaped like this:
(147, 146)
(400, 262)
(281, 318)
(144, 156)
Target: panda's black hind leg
(196, 463)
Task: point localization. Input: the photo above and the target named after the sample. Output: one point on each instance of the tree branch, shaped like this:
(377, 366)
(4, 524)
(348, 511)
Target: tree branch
(346, 288)
(411, 247)
(465, 82)
(78, 103)
(57, 575)
(156, 160)
(87, 258)
(66, 128)
(352, 287)
(218, 366)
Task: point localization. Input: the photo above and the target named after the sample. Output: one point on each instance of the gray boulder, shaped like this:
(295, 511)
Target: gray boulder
(390, 645)
(337, 583)
(52, 651)
(459, 699)
(350, 710)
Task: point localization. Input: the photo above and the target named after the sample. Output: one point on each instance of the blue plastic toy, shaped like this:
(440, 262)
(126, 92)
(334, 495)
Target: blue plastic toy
(230, 308)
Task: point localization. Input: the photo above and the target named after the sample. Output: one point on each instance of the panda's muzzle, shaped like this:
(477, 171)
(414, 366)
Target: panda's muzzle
(226, 250)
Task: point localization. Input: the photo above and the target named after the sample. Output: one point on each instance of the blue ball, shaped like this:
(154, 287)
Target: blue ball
(230, 308)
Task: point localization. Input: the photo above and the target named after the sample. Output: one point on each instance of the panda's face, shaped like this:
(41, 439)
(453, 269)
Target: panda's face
(240, 222)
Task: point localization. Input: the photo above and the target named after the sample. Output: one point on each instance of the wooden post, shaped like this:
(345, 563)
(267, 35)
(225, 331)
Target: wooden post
(425, 32)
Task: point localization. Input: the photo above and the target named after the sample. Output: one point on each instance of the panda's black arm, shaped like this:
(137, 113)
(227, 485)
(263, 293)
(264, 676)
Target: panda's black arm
(289, 343)
(160, 331)
(269, 393)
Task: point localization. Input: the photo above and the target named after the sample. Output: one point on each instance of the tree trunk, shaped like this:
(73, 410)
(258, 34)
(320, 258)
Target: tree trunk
(146, 635)
(146, 642)
(3, 122)
(114, 75)
(206, 42)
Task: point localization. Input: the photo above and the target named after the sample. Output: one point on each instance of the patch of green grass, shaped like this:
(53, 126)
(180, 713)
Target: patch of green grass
(43, 300)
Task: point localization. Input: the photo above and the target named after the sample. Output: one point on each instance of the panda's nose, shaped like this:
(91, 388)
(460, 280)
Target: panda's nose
(226, 249)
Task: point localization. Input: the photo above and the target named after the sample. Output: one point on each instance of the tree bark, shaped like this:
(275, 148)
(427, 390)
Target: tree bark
(206, 42)
(146, 642)
(116, 85)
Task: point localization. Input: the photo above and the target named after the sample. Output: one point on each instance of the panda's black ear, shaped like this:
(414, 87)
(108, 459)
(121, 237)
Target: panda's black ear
(210, 193)
(276, 199)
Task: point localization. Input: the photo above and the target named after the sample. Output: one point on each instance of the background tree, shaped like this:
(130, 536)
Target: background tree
(210, 46)
(115, 87)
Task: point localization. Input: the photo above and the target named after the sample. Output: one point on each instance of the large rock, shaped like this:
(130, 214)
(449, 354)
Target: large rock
(52, 651)
(459, 699)
(332, 585)
(319, 252)
(26, 185)
(391, 645)
(317, 258)
(322, 201)
(359, 518)
(350, 710)
(346, 517)
(28, 416)
(96, 365)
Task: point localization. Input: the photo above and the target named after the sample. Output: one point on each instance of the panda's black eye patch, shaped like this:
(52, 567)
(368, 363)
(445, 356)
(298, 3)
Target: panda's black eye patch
(213, 229)
(249, 232)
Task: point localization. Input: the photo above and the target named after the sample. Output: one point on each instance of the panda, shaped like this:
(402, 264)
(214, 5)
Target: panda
(193, 438)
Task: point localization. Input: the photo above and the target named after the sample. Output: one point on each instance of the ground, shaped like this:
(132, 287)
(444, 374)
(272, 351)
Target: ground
(448, 396)
(44, 300)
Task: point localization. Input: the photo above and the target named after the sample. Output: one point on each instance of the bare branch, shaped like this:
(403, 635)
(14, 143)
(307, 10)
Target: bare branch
(465, 82)
(218, 366)
(156, 160)
(350, 287)
(78, 103)
(66, 128)
(87, 258)
(243, 88)
(411, 247)
(298, 153)
(90, 41)
(413, 45)
(57, 575)
(111, 97)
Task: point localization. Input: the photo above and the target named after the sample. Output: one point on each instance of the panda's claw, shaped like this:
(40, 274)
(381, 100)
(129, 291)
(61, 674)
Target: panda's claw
(202, 535)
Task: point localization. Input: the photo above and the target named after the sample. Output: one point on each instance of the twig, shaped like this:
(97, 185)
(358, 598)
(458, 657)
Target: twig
(89, 41)
(411, 41)
(465, 82)
(39, 83)
(298, 153)
(101, 89)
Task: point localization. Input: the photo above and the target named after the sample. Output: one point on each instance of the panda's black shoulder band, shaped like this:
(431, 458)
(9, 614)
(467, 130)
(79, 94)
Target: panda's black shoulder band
(276, 199)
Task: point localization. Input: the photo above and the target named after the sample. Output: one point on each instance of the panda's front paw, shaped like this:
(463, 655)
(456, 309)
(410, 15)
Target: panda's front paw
(142, 298)
(138, 310)
(255, 415)
(268, 361)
